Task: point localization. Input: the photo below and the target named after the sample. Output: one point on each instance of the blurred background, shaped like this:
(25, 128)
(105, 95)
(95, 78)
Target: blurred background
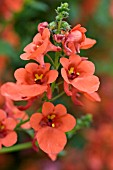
(90, 148)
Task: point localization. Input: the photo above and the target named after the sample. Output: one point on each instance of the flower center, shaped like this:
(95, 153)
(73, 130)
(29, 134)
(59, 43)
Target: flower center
(38, 78)
(48, 121)
(72, 74)
(51, 120)
(2, 131)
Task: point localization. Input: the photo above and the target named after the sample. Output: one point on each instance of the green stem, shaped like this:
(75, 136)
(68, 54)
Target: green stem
(56, 97)
(50, 59)
(17, 147)
(21, 123)
(61, 82)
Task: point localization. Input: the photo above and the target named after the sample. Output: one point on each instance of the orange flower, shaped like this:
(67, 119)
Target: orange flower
(39, 47)
(77, 40)
(33, 80)
(16, 114)
(76, 94)
(79, 72)
(8, 136)
(50, 127)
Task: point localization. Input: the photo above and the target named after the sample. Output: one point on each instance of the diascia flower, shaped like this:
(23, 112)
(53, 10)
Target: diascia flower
(76, 40)
(18, 115)
(79, 72)
(50, 127)
(39, 47)
(33, 80)
(8, 136)
(76, 94)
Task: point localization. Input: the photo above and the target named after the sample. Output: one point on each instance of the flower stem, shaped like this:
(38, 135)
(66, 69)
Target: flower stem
(51, 60)
(56, 97)
(17, 147)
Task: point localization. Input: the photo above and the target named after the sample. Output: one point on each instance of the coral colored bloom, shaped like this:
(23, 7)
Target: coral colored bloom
(39, 47)
(50, 127)
(8, 136)
(77, 40)
(79, 73)
(33, 80)
(16, 114)
(76, 94)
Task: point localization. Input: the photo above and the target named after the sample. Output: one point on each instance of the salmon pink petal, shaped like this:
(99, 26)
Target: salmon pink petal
(47, 108)
(37, 38)
(60, 110)
(88, 43)
(25, 56)
(64, 62)
(86, 67)
(31, 67)
(2, 115)
(35, 121)
(45, 34)
(10, 139)
(51, 140)
(66, 89)
(74, 59)
(52, 47)
(10, 123)
(67, 123)
(64, 75)
(93, 96)
(21, 92)
(52, 156)
(52, 76)
(49, 92)
(88, 84)
(30, 48)
(20, 75)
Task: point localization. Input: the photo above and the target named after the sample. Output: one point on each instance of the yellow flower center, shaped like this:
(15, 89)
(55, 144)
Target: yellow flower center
(50, 119)
(37, 77)
(71, 70)
(2, 127)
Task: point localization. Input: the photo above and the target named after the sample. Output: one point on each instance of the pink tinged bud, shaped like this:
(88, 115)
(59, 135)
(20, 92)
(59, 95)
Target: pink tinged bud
(59, 38)
(42, 26)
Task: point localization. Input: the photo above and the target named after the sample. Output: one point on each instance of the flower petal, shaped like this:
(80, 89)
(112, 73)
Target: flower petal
(93, 96)
(2, 115)
(21, 92)
(25, 56)
(35, 121)
(65, 62)
(10, 123)
(74, 60)
(88, 43)
(60, 110)
(52, 156)
(51, 140)
(20, 75)
(47, 108)
(10, 139)
(86, 67)
(66, 89)
(67, 123)
(52, 76)
(88, 84)
(64, 75)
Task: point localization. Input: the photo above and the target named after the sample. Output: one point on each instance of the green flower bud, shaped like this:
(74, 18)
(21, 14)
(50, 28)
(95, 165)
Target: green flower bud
(52, 25)
(65, 25)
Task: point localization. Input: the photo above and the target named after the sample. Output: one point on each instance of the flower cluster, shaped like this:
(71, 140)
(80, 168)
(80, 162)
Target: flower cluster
(38, 80)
